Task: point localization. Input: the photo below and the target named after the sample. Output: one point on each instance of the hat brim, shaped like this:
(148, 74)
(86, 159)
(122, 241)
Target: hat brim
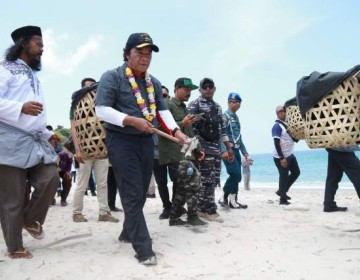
(207, 81)
(153, 47)
(193, 87)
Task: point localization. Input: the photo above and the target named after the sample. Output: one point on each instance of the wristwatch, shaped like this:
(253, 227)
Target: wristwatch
(174, 131)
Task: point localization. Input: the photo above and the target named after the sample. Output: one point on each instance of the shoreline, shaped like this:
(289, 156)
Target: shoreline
(296, 186)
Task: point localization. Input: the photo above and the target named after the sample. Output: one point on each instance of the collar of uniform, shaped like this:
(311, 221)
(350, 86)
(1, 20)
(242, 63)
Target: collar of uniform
(177, 102)
(230, 112)
(203, 99)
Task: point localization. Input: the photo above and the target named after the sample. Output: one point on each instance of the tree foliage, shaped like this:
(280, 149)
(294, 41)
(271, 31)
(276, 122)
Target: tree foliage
(63, 133)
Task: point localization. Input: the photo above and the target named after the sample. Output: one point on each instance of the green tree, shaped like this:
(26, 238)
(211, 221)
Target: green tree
(63, 133)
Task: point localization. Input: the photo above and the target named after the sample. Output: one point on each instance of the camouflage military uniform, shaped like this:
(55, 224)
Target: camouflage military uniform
(171, 155)
(188, 177)
(211, 166)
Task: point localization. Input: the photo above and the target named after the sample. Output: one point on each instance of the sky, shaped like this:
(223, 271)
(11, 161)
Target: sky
(257, 48)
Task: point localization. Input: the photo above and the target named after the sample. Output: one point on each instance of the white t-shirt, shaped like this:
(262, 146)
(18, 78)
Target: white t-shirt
(286, 142)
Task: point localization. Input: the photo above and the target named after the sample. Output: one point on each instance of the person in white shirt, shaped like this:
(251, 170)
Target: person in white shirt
(100, 166)
(26, 155)
(284, 157)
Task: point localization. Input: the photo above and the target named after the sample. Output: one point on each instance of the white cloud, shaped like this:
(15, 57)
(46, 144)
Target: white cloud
(255, 32)
(63, 60)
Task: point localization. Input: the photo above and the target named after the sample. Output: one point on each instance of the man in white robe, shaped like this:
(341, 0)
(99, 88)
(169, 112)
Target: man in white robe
(26, 156)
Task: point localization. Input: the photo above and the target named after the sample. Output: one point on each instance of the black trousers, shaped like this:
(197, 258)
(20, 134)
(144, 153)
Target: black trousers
(92, 186)
(132, 159)
(66, 185)
(338, 163)
(161, 178)
(112, 187)
(287, 176)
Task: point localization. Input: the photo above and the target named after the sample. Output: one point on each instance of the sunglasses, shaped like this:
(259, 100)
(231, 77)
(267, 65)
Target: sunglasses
(205, 87)
(234, 101)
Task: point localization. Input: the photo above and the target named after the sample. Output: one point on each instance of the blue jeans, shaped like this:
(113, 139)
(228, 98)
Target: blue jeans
(234, 170)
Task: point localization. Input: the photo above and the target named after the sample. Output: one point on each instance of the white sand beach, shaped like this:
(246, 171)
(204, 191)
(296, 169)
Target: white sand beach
(266, 241)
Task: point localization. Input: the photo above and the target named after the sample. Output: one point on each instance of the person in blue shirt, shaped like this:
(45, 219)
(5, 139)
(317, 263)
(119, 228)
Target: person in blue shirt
(284, 157)
(233, 168)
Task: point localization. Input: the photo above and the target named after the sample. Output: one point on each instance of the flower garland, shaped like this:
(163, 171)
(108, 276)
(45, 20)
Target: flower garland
(139, 100)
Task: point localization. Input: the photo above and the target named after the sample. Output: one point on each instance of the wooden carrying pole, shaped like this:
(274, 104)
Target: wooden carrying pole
(163, 134)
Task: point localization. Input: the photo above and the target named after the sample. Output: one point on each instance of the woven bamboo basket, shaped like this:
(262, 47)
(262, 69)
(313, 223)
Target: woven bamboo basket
(335, 120)
(296, 125)
(90, 130)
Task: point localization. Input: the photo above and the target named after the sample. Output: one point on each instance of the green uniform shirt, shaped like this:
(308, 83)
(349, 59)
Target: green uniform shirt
(170, 151)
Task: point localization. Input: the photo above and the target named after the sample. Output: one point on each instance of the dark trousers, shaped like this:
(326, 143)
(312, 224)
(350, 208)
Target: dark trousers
(161, 178)
(132, 158)
(288, 175)
(173, 171)
(73, 176)
(234, 170)
(92, 186)
(112, 187)
(44, 180)
(338, 163)
(66, 185)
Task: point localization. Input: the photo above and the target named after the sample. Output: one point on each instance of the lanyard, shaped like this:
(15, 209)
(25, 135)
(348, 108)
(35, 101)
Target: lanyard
(232, 131)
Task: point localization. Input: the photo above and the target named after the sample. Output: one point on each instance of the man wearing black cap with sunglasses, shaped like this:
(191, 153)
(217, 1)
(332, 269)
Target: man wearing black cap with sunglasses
(26, 156)
(211, 131)
(128, 100)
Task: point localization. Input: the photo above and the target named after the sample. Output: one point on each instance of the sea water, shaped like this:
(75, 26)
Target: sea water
(313, 168)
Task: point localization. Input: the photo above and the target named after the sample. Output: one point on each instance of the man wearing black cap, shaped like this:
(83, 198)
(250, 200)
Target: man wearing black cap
(128, 100)
(187, 185)
(26, 156)
(211, 131)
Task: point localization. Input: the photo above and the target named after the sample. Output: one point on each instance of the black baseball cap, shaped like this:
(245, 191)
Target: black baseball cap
(25, 31)
(140, 40)
(206, 81)
(185, 82)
